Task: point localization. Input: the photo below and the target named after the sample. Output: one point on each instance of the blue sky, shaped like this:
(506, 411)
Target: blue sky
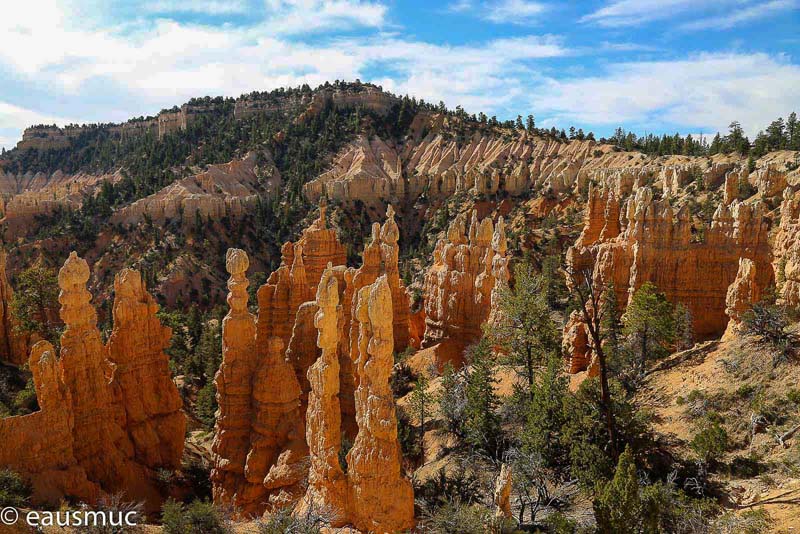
(647, 65)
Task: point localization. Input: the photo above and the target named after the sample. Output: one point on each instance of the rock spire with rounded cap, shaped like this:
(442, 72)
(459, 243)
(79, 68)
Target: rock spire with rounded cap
(152, 404)
(234, 390)
(327, 486)
(381, 499)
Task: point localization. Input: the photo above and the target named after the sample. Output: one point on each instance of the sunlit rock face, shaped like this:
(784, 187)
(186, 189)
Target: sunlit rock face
(646, 240)
(110, 415)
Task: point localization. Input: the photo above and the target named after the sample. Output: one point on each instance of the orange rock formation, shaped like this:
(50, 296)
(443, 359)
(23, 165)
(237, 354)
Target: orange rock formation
(649, 241)
(109, 415)
(289, 381)
(327, 485)
(459, 286)
(381, 499)
(787, 250)
(152, 404)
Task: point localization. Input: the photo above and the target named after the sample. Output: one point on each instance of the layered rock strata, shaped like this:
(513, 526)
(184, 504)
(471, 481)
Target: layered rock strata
(648, 241)
(225, 190)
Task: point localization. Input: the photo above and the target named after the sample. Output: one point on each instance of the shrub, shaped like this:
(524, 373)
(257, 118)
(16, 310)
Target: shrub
(710, 442)
(116, 505)
(283, 522)
(618, 507)
(748, 522)
(769, 322)
(200, 517)
(13, 489)
(455, 517)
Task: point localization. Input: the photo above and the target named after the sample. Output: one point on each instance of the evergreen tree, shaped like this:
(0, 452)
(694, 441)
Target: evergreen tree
(546, 417)
(526, 332)
(649, 324)
(531, 125)
(34, 305)
(421, 402)
(452, 400)
(481, 421)
(618, 505)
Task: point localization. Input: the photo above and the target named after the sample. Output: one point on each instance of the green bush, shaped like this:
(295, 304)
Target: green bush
(13, 489)
(200, 517)
(710, 442)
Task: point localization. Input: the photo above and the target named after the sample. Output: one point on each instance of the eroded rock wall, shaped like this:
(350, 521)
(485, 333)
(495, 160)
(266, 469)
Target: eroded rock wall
(458, 287)
(648, 241)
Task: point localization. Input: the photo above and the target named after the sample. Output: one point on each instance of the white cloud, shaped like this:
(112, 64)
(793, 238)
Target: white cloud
(156, 64)
(631, 12)
(14, 118)
(501, 11)
(303, 16)
(460, 6)
(11, 116)
(618, 13)
(514, 11)
(706, 91)
(739, 16)
(208, 7)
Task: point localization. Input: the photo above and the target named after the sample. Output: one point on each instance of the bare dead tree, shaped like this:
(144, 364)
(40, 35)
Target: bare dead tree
(588, 298)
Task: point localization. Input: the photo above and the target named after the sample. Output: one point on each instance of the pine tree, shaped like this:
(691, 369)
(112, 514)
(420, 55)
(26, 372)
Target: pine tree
(618, 505)
(546, 417)
(649, 324)
(421, 404)
(481, 421)
(526, 332)
(531, 126)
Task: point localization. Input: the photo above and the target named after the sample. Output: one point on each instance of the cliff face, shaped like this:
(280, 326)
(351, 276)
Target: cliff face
(647, 241)
(110, 415)
(787, 250)
(458, 287)
(24, 196)
(368, 96)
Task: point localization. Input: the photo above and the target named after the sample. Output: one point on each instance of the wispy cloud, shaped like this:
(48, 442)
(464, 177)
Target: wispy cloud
(706, 91)
(740, 16)
(520, 12)
(514, 11)
(303, 16)
(633, 12)
(207, 7)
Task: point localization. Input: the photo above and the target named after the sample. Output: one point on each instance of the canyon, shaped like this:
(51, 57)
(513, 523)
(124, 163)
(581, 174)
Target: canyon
(307, 418)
